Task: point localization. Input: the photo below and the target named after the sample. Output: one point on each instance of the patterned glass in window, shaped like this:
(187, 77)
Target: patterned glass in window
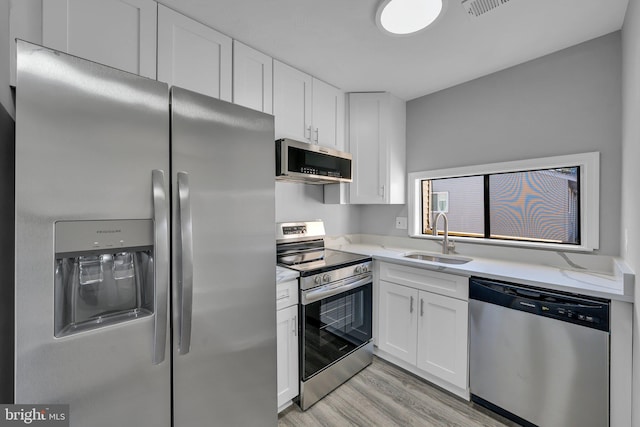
(539, 205)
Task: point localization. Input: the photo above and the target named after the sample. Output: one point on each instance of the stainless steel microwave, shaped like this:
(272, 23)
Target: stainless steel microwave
(311, 164)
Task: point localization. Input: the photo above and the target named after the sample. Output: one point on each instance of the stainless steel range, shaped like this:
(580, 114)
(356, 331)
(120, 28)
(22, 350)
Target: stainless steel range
(335, 308)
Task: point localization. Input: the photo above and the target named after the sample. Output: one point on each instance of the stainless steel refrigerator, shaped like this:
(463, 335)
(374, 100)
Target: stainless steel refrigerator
(144, 278)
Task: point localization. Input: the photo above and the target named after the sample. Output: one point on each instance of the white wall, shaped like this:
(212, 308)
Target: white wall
(303, 202)
(5, 91)
(563, 103)
(630, 226)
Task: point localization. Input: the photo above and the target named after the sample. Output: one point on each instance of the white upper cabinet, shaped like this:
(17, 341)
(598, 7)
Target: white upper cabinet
(118, 33)
(377, 138)
(252, 78)
(307, 109)
(327, 115)
(291, 102)
(193, 56)
(25, 23)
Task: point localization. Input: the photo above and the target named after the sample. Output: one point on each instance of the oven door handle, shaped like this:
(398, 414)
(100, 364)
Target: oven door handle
(326, 291)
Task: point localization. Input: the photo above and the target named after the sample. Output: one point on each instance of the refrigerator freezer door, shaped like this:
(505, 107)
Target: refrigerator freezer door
(228, 375)
(87, 140)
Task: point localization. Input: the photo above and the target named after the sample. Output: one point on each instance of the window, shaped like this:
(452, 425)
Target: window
(550, 202)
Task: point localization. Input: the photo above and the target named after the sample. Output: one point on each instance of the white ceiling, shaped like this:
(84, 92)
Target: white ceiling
(339, 42)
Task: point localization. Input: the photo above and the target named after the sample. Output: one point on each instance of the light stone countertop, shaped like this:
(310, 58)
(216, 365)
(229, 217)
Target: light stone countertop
(618, 284)
(285, 274)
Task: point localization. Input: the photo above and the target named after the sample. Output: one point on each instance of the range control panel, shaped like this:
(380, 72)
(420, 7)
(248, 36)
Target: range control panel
(288, 231)
(299, 230)
(355, 270)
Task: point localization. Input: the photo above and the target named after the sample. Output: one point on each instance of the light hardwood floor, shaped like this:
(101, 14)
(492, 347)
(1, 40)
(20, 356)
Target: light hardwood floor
(384, 395)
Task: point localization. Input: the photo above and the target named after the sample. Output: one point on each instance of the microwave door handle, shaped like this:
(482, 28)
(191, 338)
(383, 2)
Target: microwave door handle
(161, 268)
(185, 263)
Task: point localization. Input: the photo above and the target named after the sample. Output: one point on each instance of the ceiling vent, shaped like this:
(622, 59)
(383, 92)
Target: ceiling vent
(480, 7)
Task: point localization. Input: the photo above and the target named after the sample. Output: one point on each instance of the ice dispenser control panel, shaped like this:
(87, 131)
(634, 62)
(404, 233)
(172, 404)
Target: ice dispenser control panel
(81, 236)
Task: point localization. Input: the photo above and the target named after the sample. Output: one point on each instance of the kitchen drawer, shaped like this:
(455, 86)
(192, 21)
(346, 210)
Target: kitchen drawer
(286, 294)
(446, 284)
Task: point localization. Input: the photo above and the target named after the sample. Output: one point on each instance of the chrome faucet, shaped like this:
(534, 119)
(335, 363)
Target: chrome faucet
(446, 245)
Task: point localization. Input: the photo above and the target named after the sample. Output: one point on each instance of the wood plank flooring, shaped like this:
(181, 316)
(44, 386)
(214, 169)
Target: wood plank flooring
(384, 395)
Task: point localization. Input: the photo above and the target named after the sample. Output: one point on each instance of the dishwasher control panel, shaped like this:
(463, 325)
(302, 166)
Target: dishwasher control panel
(585, 311)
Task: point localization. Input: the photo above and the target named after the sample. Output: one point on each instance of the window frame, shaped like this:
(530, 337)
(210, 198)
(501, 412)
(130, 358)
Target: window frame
(589, 181)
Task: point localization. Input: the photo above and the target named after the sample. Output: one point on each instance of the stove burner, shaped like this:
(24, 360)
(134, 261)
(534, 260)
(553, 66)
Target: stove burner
(304, 251)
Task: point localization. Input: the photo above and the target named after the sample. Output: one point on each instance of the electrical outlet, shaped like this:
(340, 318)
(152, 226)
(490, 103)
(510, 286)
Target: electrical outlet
(401, 222)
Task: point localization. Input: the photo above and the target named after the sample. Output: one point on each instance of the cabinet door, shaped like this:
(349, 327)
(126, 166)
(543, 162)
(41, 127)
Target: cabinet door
(368, 147)
(287, 338)
(193, 56)
(25, 23)
(442, 337)
(398, 326)
(118, 33)
(291, 102)
(377, 139)
(328, 115)
(252, 78)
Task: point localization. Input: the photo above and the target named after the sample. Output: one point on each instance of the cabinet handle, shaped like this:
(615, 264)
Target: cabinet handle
(317, 135)
(411, 305)
(283, 295)
(309, 130)
(295, 324)
(421, 307)
(382, 191)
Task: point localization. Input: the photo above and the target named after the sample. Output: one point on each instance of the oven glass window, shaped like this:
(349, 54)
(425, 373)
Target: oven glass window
(333, 327)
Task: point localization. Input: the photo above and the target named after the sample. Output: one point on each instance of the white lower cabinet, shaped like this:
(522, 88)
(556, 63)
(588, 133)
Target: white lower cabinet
(287, 342)
(443, 337)
(398, 321)
(421, 327)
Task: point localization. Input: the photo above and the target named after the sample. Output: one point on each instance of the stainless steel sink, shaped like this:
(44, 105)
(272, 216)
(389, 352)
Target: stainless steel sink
(443, 259)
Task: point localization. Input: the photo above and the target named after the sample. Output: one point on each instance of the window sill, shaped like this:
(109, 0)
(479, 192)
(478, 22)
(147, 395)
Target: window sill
(509, 243)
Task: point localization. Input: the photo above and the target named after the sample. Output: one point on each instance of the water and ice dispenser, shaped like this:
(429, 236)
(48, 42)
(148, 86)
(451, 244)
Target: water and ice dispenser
(103, 273)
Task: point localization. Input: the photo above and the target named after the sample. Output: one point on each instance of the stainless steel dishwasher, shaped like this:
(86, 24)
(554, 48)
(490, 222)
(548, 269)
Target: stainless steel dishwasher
(539, 357)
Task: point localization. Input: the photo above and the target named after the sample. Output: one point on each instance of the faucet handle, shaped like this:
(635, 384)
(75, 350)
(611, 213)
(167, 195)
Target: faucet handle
(451, 245)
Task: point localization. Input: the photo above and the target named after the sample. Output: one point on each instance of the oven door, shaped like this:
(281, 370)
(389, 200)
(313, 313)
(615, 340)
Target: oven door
(336, 319)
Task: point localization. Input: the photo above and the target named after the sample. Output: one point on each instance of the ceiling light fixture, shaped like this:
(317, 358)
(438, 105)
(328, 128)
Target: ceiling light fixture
(404, 17)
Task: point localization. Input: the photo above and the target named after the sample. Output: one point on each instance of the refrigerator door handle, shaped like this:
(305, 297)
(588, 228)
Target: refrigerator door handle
(161, 270)
(185, 263)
